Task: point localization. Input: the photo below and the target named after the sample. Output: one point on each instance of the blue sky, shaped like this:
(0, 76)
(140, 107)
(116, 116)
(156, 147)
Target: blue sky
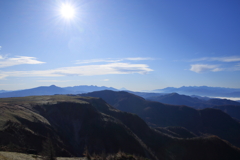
(136, 44)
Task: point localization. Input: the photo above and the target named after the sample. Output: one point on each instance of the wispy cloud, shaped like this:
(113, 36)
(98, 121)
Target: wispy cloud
(106, 80)
(111, 60)
(235, 68)
(199, 68)
(2, 76)
(97, 61)
(229, 64)
(87, 70)
(221, 59)
(0, 47)
(7, 62)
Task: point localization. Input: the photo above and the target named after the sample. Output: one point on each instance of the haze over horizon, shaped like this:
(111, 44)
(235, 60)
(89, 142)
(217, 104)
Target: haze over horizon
(126, 89)
(138, 45)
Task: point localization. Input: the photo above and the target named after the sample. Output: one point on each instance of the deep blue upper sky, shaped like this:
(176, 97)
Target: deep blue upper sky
(136, 44)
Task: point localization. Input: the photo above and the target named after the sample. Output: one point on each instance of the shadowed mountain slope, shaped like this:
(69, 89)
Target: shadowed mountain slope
(232, 110)
(73, 123)
(121, 100)
(179, 132)
(206, 121)
(176, 99)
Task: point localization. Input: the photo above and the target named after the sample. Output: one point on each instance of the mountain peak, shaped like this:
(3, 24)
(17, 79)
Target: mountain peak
(174, 94)
(52, 86)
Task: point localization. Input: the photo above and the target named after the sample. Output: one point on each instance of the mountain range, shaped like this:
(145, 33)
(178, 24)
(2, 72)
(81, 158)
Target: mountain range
(156, 114)
(85, 88)
(202, 91)
(73, 123)
(195, 102)
(228, 106)
(191, 91)
(52, 90)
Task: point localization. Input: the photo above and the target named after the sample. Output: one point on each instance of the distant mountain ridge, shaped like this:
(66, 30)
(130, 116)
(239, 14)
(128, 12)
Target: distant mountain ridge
(172, 98)
(52, 90)
(197, 91)
(43, 90)
(195, 102)
(3, 91)
(85, 88)
(202, 91)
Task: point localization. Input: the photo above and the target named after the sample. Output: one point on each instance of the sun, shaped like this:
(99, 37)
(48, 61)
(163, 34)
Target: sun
(67, 11)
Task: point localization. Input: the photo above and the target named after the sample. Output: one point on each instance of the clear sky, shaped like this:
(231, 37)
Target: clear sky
(136, 44)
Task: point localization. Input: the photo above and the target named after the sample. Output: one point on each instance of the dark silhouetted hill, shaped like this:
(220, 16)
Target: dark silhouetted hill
(176, 99)
(146, 94)
(200, 122)
(74, 123)
(232, 110)
(121, 100)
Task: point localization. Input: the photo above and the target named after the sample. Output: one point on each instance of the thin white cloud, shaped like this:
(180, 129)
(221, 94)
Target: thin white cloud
(98, 60)
(7, 62)
(199, 68)
(0, 47)
(106, 80)
(2, 76)
(235, 68)
(221, 59)
(110, 60)
(87, 70)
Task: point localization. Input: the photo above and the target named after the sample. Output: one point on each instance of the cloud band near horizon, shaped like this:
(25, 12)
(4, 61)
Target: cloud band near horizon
(87, 70)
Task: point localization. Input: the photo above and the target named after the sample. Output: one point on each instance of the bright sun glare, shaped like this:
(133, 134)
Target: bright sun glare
(67, 11)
